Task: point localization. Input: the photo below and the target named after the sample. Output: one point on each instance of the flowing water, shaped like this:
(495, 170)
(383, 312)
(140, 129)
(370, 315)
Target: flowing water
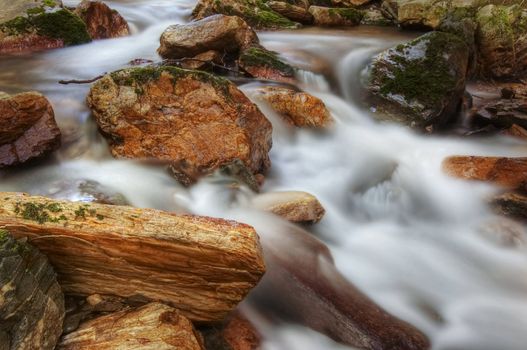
(422, 245)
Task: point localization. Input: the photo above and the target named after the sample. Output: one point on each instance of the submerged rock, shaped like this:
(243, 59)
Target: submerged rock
(256, 12)
(297, 108)
(294, 206)
(512, 204)
(335, 17)
(42, 25)
(225, 34)
(422, 82)
(27, 128)
(194, 121)
(235, 333)
(265, 64)
(502, 40)
(101, 21)
(31, 301)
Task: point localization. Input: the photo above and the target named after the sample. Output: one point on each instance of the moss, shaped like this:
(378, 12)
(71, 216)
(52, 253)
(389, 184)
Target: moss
(255, 57)
(35, 11)
(350, 14)
(49, 3)
(18, 25)
(262, 18)
(4, 236)
(39, 212)
(425, 79)
(62, 24)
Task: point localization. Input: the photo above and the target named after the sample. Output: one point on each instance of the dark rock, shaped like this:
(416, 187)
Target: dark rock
(31, 301)
(27, 128)
(512, 204)
(101, 21)
(503, 113)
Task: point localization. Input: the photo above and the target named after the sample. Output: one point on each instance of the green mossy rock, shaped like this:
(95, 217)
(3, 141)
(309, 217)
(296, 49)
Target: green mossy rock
(420, 83)
(336, 17)
(254, 12)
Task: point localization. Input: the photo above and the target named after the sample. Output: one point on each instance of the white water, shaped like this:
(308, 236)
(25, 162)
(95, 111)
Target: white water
(417, 242)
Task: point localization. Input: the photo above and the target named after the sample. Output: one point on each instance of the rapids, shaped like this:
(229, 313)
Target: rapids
(422, 245)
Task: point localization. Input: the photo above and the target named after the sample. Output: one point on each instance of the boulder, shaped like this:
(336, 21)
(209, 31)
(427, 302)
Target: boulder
(31, 301)
(418, 13)
(420, 83)
(265, 64)
(202, 266)
(295, 13)
(502, 40)
(225, 34)
(297, 108)
(192, 120)
(27, 128)
(335, 17)
(37, 25)
(374, 17)
(101, 21)
(256, 12)
(506, 172)
(294, 206)
(153, 326)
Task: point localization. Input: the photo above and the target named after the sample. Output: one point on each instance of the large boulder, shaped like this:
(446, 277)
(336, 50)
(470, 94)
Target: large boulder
(31, 301)
(422, 82)
(256, 12)
(101, 21)
(502, 40)
(225, 34)
(335, 17)
(27, 128)
(36, 25)
(193, 120)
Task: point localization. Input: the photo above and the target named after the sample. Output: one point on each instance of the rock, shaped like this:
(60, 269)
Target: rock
(335, 17)
(202, 266)
(101, 21)
(295, 13)
(504, 231)
(194, 121)
(84, 190)
(506, 172)
(303, 286)
(297, 108)
(203, 61)
(256, 12)
(235, 333)
(512, 204)
(417, 13)
(502, 40)
(349, 3)
(516, 131)
(503, 113)
(44, 26)
(12, 9)
(31, 301)
(27, 128)
(294, 206)
(420, 83)
(264, 64)
(153, 326)
(375, 17)
(226, 34)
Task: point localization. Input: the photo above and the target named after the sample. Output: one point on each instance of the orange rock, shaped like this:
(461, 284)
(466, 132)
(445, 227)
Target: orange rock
(507, 172)
(240, 334)
(101, 21)
(27, 128)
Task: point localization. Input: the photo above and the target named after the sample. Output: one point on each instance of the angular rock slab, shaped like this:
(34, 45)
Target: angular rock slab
(31, 301)
(192, 120)
(151, 327)
(27, 128)
(202, 266)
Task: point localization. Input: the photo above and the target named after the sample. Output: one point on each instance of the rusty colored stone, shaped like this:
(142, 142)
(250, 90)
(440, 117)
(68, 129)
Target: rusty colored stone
(27, 128)
(294, 206)
(101, 21)
(27, 43)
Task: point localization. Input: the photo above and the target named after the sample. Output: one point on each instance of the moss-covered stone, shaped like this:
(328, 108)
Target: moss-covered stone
(259, 57)
(421, 82)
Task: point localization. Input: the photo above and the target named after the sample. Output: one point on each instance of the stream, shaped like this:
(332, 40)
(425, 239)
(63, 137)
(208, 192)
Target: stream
(422, 245)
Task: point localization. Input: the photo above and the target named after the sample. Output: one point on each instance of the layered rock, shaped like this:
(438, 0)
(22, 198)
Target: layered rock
(294, 206)
(31, 301)
(27, 128)
(192, 120)
(153, 326)
(504, 113)
(422, 82)
(297, 108)
(101, 21)
(36, 25)
(202, 266)
(257, 13)
(335, 17)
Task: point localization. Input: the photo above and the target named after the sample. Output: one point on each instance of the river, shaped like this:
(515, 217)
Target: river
(422, 245)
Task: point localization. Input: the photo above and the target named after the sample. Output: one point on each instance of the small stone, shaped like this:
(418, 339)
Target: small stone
(295, 206)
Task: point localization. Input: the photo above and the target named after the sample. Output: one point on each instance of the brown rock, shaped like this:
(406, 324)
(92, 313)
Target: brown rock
(202, 266)
(151, 327)
(294, 206)
(264, 64)
(101, 21)
(296, 13)
(203, 60)
(512, 204)
(298, 108)
(235, 333)
(349, 3)
(335, 17)
(506, 172)
(226, 34)
(193, 120)
(31, 301)
(27, 43)
(516, 131)
(27, 128)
